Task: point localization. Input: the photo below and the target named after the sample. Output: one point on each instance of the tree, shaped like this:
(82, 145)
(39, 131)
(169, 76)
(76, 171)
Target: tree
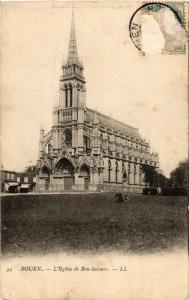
(162, 181)
(153, 178)
(179, 176)
(150, 175)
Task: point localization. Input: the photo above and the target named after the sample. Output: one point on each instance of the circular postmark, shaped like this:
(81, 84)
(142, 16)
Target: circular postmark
(169, 19)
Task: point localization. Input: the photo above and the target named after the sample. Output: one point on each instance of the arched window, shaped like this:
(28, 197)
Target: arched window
(49, 147)
(45, 171)
(116, 171)
(78, 92)
(101, 140)
(109, 170)
(70, 94)
(66, 95)
(87, 144)
(124, 176)
(109, 148)
(68, 137)
(64, 166)
(84, 170)
(129, 168)
(135, 172)
(124, 173)
(129, 173)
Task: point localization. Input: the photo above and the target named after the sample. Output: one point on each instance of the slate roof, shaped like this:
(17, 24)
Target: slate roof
(112, 124)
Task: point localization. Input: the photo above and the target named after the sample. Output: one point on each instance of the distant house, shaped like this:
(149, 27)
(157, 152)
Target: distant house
(12, 181)
(26, 180)
(7, 179)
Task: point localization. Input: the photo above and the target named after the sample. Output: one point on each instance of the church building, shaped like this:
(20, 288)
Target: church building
(87, 150)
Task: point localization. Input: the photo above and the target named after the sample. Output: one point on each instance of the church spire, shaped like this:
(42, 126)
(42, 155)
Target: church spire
(72, 50)
(73, 68)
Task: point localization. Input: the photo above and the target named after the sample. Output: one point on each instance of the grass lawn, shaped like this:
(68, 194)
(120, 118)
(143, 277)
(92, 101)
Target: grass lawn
(39, 224)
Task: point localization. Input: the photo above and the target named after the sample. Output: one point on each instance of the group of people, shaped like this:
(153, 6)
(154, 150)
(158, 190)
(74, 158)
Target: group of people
(121, 197)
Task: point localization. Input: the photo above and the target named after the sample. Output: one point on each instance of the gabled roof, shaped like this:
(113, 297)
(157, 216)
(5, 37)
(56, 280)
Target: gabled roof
(110, 123)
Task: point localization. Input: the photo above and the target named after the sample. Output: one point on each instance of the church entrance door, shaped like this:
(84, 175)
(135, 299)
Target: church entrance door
(66, 169)
(86, 183)
(47, 182)
(45, 173)
(68, 182)
(85, 173)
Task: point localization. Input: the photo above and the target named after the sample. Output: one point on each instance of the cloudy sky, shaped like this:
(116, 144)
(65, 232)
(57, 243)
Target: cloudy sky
(148, 92)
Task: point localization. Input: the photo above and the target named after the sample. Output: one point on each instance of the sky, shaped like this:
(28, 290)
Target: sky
(148, 92)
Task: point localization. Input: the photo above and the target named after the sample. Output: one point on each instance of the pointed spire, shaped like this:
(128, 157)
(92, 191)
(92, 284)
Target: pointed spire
(72, 50)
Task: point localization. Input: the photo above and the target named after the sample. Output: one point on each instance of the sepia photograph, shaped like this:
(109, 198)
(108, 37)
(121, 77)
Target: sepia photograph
(94, 150)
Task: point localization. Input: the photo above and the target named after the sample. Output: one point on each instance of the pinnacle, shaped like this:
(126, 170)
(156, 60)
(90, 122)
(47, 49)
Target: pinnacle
(72, 50)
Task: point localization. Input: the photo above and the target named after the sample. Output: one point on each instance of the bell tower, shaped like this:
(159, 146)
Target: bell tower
(68, 116)
(72, 81)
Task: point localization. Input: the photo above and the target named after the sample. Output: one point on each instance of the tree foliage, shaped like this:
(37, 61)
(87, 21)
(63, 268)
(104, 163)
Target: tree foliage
(150, 175)
(153, 178)
(179, 176)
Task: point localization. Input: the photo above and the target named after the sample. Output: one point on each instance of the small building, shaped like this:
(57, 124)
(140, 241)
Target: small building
(6, 178)
(26, 180)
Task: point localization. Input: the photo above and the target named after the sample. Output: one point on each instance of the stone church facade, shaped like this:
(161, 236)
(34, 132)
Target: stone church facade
(86, 150)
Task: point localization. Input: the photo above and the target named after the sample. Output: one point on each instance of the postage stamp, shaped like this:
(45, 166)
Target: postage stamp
(160, 27)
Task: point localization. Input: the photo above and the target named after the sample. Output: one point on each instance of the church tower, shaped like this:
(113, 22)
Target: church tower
(72, 80)
(69, 115)
(86, 150)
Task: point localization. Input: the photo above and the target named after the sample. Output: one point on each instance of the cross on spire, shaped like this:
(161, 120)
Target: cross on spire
(72, 50)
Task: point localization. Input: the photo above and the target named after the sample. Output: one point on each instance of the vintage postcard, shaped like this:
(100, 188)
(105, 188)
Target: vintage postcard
(94, 150)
